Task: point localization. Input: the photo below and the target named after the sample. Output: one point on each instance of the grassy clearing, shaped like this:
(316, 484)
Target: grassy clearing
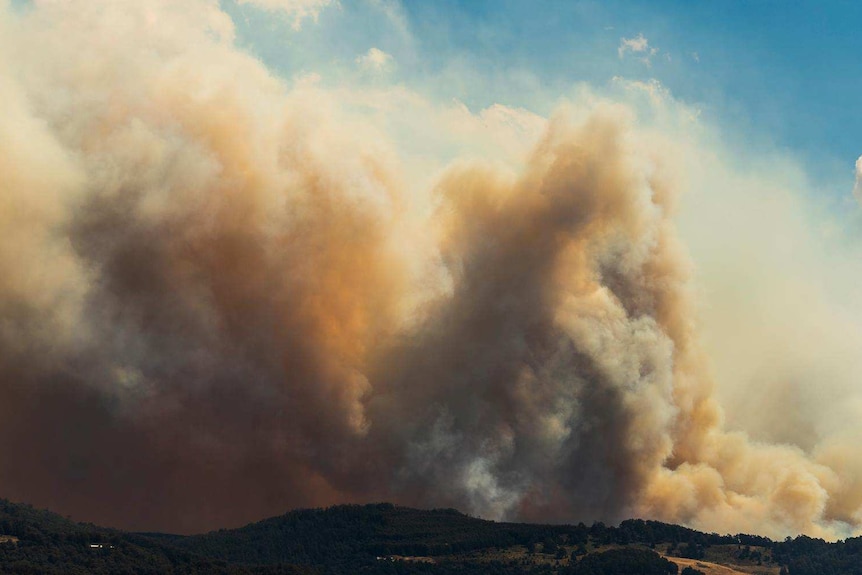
(710, 568)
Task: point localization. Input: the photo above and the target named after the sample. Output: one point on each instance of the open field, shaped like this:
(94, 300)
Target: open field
(710, 568)
(719, 559)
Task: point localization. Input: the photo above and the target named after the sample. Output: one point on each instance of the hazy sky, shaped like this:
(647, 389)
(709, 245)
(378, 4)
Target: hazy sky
(780, 74)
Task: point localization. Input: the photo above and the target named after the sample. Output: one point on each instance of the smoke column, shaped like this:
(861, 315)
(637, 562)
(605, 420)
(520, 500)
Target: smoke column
(216, 304)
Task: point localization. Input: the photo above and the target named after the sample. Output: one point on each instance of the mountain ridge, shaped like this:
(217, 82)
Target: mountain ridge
(387, 538)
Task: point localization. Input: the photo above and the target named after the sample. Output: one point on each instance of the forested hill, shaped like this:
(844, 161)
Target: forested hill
(321, 536)
(39, 542)
(387, 539)
(343, 538)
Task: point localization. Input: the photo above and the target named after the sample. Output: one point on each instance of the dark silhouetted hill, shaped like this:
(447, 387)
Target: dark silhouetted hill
(387, 539)
(39, 542)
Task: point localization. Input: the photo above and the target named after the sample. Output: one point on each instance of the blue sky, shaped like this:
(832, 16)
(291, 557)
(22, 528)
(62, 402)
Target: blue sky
(776, 75)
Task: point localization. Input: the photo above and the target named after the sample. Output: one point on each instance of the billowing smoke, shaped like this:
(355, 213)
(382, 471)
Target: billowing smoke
(218, 301)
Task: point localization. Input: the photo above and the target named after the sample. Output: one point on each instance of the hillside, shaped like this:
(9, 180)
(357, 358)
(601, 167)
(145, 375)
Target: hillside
(387, 539)
(358, 539)
(40, 542)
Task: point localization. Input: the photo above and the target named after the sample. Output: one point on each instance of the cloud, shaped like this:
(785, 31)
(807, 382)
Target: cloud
(375, 60)
(857, 188)
(298, 10)
(638, 45)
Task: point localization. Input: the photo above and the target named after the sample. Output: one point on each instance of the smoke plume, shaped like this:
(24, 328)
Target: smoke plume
(218, 301)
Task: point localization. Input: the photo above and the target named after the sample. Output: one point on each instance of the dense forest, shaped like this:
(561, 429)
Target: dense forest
(387, 539)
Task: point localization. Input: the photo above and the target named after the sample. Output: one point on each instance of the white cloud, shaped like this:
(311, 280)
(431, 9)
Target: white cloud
(857, 189)
(637, 45)
(695, 56)
(296, 9)
(375, 60)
